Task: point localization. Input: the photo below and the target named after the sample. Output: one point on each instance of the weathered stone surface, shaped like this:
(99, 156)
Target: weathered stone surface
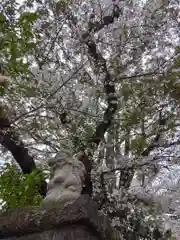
(66, 182)
(66, 233)
(76, 221)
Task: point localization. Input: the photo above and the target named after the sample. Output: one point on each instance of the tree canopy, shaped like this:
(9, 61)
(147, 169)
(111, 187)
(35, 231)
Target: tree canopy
(101, 79)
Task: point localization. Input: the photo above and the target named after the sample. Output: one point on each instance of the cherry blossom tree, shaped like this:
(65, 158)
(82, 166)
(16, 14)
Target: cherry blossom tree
(101, 80)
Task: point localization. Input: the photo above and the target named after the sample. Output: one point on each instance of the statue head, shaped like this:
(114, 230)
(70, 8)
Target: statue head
(66, 180)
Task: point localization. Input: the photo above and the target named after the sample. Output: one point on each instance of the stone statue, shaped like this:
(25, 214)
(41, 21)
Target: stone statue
(66, 180)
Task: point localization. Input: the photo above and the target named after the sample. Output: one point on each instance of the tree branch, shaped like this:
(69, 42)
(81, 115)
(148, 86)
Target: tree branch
(128, 173)
(18, 150)
(105, 21)
(109, 89)
(151, 147)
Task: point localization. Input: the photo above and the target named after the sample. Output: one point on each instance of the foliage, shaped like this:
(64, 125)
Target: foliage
(17, 189)
(17, 39)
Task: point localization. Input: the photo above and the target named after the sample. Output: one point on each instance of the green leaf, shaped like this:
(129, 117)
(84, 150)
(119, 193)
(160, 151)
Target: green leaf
(28, 17)
(18, 189)
(130, 118)
(138, 144)
(2, 90)
(2, 19)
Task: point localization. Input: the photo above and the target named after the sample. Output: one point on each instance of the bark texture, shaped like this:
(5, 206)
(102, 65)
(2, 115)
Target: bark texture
(79, 220)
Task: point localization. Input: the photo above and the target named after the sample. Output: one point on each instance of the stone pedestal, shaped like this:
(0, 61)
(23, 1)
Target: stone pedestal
(77, 221)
